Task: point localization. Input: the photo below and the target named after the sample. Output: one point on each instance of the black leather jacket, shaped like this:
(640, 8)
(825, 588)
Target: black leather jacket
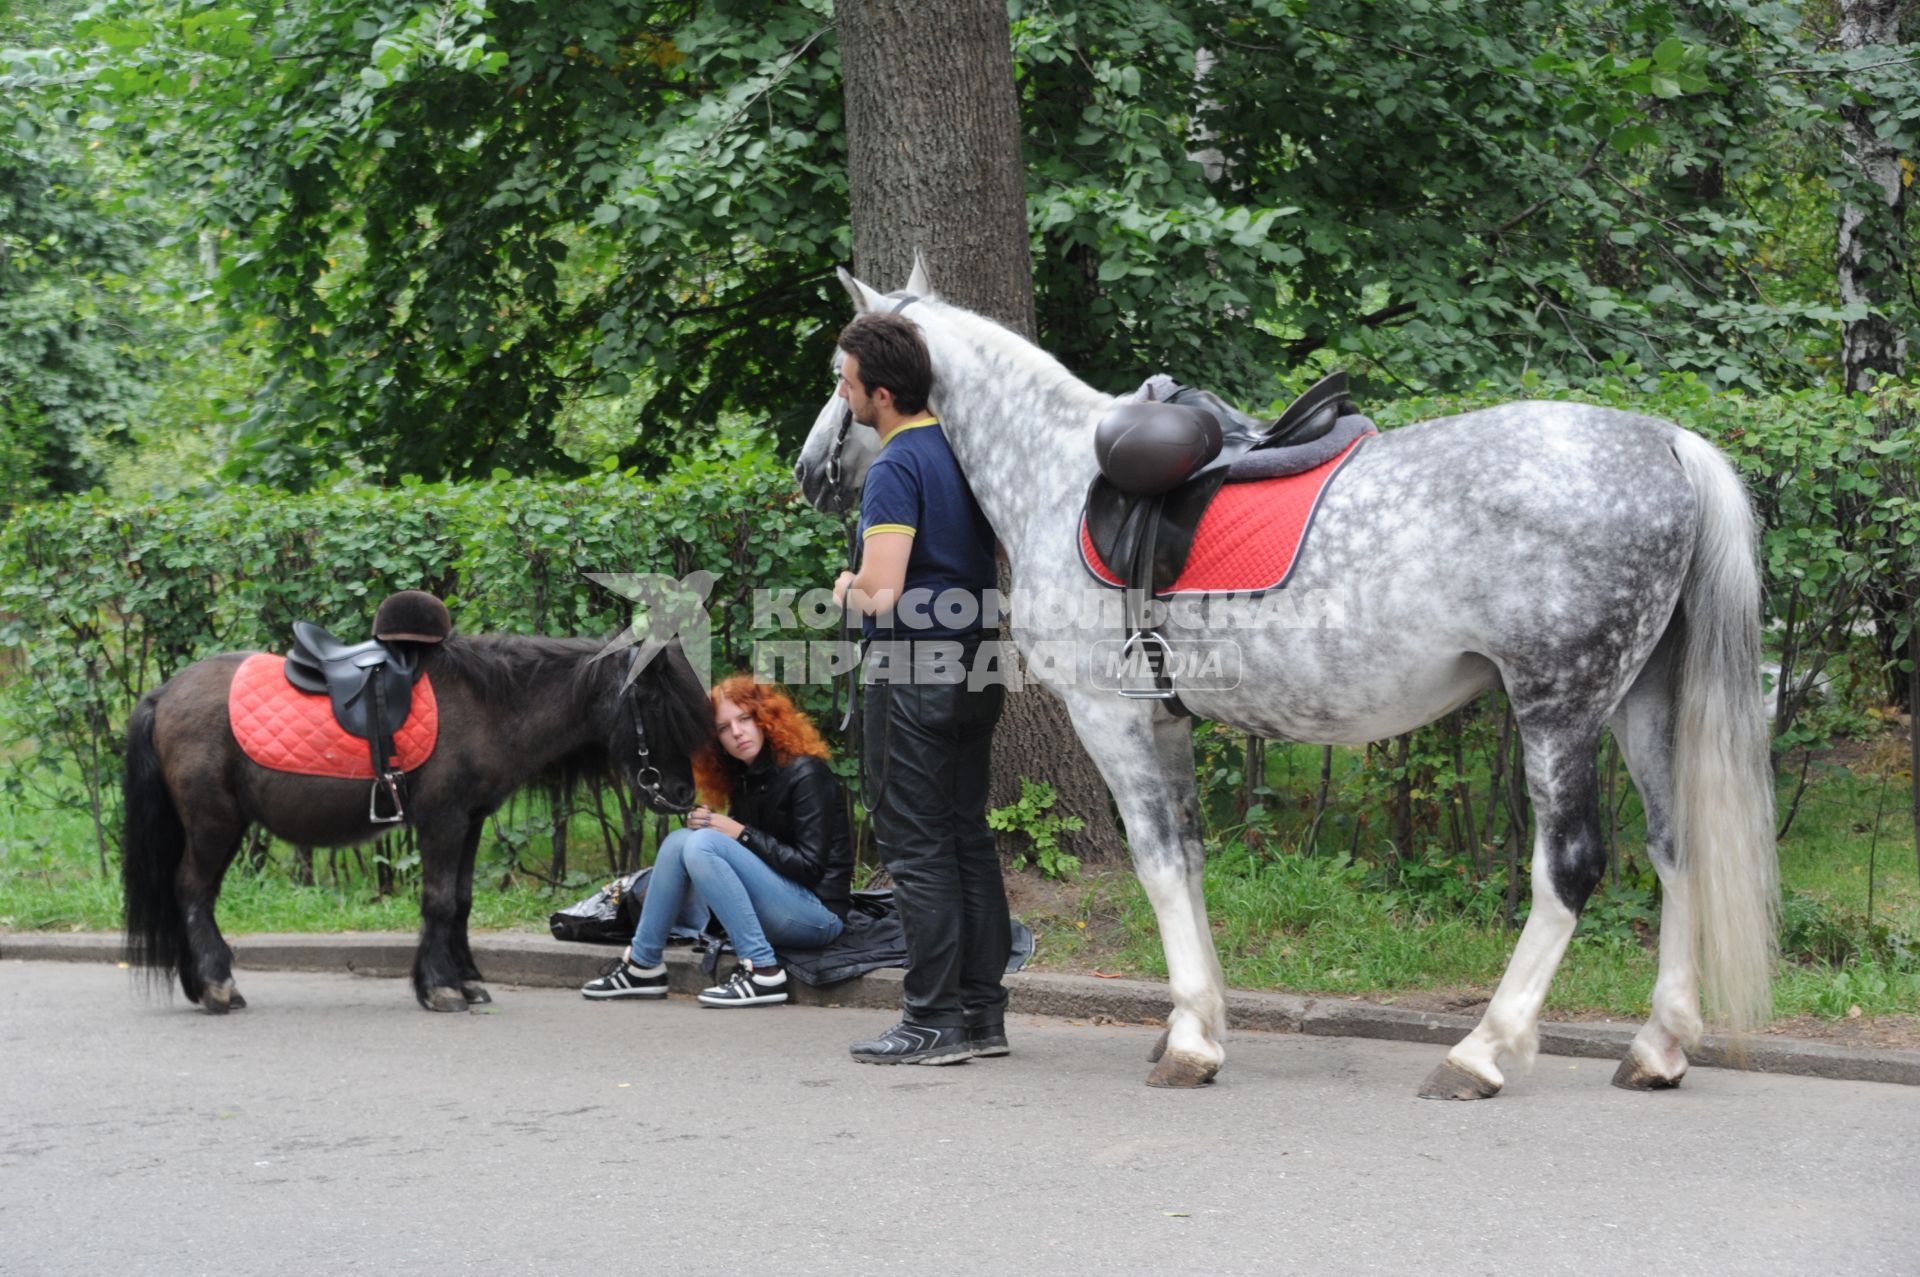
(796, 821)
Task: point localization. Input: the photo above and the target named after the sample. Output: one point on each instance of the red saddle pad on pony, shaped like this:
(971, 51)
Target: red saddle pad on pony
(285, 729)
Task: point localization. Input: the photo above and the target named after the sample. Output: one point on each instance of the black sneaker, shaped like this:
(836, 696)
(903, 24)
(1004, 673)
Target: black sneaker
(915, 1044)
(747, 988)
(622, 979)
(987, 1039)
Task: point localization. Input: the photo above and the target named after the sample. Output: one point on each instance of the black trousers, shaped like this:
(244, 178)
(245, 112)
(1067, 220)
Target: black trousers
(929, 749)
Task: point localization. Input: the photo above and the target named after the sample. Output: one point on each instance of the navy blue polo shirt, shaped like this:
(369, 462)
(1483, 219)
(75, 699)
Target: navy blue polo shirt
(915, 486)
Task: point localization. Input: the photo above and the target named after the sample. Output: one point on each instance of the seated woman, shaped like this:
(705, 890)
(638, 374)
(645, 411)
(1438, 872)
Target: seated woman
(777, 871)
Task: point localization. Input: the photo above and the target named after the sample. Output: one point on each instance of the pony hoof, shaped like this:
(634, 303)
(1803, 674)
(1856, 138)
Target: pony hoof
(446, 999)
(1182, 1072)
(1159, 1048)
(218, 999)
(1632, 1075)
(1451, 1082)
(475, 993)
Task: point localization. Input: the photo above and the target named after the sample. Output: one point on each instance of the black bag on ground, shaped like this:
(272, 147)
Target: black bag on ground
(608, 916)
(612, 914)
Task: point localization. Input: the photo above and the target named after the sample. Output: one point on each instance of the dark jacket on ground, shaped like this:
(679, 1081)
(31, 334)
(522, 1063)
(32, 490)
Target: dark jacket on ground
(796, 821)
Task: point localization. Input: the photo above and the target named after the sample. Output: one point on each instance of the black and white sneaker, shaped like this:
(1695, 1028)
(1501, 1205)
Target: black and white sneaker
(622, 979)
(747, 988)
(915, 1044)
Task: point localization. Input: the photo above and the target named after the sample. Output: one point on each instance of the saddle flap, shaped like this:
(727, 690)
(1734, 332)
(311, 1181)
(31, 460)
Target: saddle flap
(1147, 540)
(369, 684)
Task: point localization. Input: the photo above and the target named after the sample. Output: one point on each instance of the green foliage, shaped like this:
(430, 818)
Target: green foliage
(1033, 815)
(67, 365)
(466, 223)
(522, 236)
(102, 600)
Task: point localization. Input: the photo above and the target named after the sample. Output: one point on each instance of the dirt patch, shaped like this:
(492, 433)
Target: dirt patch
(1030, 896)
(1076, 924)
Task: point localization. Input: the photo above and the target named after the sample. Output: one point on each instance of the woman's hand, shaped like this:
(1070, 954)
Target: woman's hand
(706, 818)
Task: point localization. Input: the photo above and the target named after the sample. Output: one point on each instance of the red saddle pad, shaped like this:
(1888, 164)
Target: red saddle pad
(287, 730)
(1248, 539)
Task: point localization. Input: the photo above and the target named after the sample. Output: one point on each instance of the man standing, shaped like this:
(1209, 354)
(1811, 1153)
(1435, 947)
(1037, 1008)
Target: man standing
(927, 564)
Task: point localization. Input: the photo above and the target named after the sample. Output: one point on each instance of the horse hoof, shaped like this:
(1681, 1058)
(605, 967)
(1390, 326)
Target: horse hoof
(475, 993)
(218, 999)
(1632, 1075)
(1159, 1048)
(446, 999)
(1451, 1082)
(1182, 1072)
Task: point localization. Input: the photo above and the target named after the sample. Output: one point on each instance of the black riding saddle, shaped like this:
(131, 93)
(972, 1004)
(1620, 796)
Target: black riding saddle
(370, 686)
(1144, 508)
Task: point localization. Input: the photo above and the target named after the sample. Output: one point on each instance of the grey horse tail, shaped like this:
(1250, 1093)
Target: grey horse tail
(1723, 772)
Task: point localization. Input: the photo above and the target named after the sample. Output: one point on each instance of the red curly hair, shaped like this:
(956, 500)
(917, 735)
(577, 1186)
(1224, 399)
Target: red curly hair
(789, 732)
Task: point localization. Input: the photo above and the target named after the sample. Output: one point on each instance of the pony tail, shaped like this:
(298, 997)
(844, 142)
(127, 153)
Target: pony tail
(153, 846)
(1723, 782)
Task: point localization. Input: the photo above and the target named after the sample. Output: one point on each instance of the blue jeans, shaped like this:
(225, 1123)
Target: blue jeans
(759, 906)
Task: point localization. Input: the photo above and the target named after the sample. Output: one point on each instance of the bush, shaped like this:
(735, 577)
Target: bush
(104, 600)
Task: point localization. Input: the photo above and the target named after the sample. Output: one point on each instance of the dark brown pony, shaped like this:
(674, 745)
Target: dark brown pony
(512, 710)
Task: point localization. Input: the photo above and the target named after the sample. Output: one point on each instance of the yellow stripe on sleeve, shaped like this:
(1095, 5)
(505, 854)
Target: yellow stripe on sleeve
(887, 527)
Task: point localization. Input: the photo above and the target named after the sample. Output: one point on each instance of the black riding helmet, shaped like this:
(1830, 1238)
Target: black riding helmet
(414, 616)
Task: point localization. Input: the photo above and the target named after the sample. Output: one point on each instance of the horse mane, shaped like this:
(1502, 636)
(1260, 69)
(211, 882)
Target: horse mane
(1010, 353)
(500, 667)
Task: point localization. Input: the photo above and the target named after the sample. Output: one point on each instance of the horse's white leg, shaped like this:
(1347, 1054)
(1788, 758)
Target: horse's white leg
(1173, 742)
(1643, 727)
(1151, 776)
(1568, 859)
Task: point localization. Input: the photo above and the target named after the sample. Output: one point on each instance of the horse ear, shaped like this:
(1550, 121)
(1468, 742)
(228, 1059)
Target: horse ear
(917, 283)
(864, 298)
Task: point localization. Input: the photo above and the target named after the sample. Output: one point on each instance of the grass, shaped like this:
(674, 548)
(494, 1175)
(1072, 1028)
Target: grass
(50, 878)
(1328, 924)
(1320, 924)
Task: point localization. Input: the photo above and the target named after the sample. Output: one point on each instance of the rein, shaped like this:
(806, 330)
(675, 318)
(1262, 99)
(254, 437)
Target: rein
(646, 777)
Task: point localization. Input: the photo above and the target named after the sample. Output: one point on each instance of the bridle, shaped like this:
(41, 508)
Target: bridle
(646, 777)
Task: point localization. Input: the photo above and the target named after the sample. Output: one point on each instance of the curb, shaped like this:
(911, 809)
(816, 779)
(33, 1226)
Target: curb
(523, 958)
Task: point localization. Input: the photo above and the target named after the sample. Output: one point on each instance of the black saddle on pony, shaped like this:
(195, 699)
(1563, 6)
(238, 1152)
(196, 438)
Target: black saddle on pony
(370, 684)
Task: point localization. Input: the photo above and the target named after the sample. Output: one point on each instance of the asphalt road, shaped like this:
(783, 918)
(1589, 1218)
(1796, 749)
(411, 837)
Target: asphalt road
(335, 1128)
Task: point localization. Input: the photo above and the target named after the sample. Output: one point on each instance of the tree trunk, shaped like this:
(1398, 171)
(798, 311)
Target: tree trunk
(933, 150)
(1872, 253)
(934, 164)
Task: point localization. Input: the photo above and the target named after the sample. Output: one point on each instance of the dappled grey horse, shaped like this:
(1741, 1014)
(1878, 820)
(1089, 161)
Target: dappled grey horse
(1597, 565)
